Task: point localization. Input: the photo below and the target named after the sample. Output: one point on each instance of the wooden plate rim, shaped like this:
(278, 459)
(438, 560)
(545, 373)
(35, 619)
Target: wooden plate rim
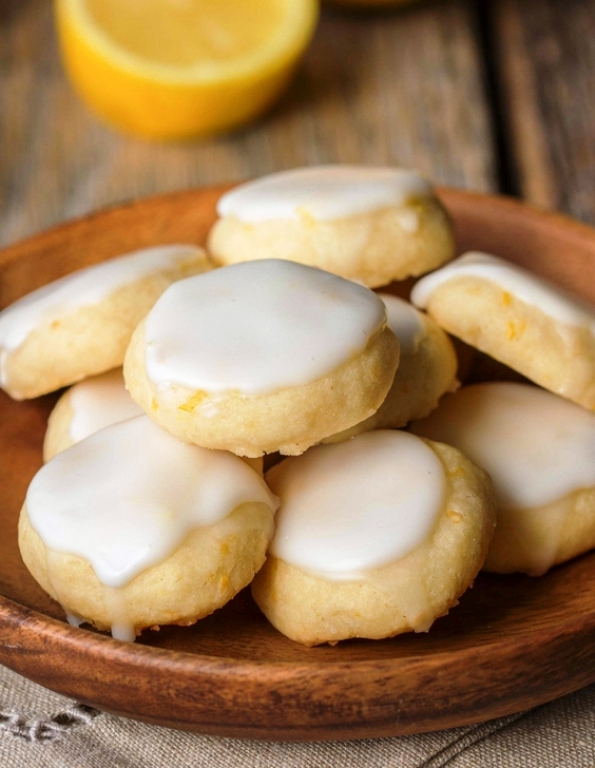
(25, 633)
(572, 226)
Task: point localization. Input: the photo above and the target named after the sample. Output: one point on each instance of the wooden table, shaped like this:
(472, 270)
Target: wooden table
(493, 96)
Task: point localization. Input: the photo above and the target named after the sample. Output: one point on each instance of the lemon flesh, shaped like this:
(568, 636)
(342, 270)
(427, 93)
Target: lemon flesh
(175, 69)
(181, 33)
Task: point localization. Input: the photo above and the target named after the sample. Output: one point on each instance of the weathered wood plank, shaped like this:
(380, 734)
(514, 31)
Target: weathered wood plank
(546, 59)
(402, 88)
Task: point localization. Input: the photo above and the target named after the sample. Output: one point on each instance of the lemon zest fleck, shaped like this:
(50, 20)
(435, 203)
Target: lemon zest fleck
(197, 398)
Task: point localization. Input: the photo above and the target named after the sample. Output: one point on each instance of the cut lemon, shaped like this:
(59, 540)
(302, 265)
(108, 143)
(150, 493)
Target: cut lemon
(175, 69)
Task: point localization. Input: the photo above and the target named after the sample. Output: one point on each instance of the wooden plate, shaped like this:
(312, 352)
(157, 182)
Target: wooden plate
(512, 643)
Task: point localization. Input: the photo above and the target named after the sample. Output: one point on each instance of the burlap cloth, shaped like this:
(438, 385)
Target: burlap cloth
(39, 729)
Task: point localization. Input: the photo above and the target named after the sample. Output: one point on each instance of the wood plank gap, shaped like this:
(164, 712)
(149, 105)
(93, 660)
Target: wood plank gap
(505, 160)
(529, 146)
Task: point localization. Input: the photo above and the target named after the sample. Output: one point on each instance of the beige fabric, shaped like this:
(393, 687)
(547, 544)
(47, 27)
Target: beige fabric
(39, 729)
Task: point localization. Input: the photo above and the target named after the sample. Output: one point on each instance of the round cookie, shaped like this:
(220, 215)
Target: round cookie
(261, 357)
(517, 318)
(80, 325)
(427, 369)
(131, 528)
(87, 407)
(372, 225)
(375, 536)
(539, 450)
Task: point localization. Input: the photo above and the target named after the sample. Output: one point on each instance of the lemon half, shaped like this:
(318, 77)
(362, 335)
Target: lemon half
(177, 69)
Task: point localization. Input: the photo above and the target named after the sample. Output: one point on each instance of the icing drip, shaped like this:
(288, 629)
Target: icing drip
(524, 285)
(125, 498)
(352, 507)
(536, 446)
(124, 632)
(99, 402)
(405, 322)
(325, 192)
(122, 625)
(258, 327)
(85, 287)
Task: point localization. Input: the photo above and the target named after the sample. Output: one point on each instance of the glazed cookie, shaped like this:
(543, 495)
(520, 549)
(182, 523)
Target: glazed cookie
(517, 318)
(539, 450)
(372, 225)
(261, 357)
(375, 536)
(131, 528)
(81, 324)
(427, 369)
(84, 409)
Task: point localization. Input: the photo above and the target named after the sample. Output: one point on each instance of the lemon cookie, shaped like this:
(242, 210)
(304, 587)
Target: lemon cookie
(375, 536)
(260, 357)
(81, 324)
(427, 369)
(517, 318)
(372, 225)
(539, 450)
(87, 407)
(131, 528)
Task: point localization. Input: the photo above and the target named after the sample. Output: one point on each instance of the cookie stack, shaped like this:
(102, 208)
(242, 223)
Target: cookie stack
(152, 507)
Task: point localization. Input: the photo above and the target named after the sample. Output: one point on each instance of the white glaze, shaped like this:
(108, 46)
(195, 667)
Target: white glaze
(536, 446)
(405, 322)
(122, 625)
(98, 402)
(523, 285)
(83, 288)
(124, 632)
(257, 327)
(125, 498)
(324, 193)
(73, 620)
(352, 507)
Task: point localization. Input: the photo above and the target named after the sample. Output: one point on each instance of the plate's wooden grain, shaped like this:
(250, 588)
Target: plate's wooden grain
(513, 642)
